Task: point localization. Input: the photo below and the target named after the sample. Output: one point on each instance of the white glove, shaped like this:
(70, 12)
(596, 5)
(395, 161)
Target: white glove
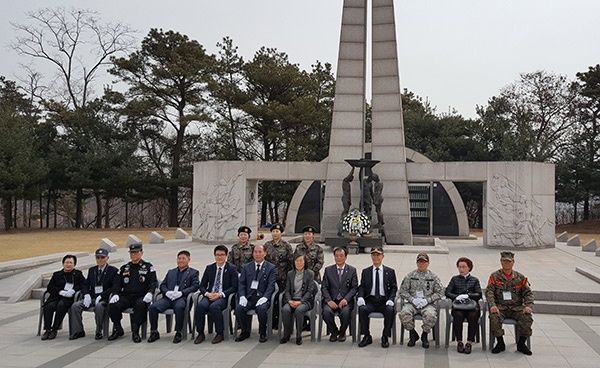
(177, 295)
(87, 300)
(462, 297)
(98, 299)
(423, 303)
(169, 294)
(416, 302)
(114, 299)
(261, 301)
(69, 293)
(63, 293)
(360, 301)
(389, 303)
(243, 301)
(147, 298)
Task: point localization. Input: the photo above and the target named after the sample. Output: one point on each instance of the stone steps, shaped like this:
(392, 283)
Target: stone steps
(569, 303)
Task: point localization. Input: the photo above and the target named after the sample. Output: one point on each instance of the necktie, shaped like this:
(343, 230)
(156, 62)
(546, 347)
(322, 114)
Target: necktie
(377, 293)
(257, 271)
(340, 274)
(217, 288)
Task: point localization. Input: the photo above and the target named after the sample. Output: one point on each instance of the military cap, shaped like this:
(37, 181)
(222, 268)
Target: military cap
(101, 252)
(244, 229)
(135, 247)
(423, 256)
(277, 227)
(377, 249)
(308, 229)
(507, 256)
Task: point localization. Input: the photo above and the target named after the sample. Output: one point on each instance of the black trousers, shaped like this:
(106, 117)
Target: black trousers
(57, 309)
(373, 304)
(140, 311)
(472, 317)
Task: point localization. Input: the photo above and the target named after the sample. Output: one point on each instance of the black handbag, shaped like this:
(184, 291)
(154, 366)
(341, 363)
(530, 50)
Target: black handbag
(465, 304)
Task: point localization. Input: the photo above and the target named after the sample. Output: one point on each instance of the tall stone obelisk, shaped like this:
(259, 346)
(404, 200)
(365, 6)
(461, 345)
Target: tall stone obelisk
(348, 124)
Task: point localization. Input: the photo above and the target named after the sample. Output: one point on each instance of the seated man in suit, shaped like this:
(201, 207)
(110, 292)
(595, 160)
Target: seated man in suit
(376, 293)
(177, 285)
(340, 285)
(97, 290)
(220, 279)
(255, 288)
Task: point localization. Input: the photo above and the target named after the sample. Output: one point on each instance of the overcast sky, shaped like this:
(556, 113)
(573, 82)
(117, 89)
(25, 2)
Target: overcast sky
(456, 53)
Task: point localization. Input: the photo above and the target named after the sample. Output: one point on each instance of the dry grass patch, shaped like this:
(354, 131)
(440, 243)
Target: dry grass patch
(39, 242)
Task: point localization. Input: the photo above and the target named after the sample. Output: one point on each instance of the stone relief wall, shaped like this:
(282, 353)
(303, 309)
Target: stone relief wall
(219, 211)
(517, 218)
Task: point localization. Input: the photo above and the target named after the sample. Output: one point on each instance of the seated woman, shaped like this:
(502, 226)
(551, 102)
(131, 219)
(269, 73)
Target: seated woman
(298, 298)
(62, 288)
(463, 288)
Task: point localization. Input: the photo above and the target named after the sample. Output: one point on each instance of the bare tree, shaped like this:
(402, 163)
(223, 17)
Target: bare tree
(76, 43)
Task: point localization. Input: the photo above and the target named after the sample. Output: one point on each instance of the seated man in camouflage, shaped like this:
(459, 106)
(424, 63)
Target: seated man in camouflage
(421, 288)
(509, 295)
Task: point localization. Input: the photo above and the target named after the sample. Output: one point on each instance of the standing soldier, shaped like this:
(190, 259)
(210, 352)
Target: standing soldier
(241, 253)
(420, 288)
(509, 295)
(279, 252)
(312, 251)
(133, 287)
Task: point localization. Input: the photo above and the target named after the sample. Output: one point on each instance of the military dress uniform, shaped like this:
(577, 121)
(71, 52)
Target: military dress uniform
(417, 284)
(511, 296)
(132, 283)
(314, 256)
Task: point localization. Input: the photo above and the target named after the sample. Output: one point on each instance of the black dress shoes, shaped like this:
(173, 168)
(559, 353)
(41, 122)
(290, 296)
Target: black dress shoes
(154, 335)
(177, 338)
(243, 336)
(116, 334)
(385, 342)
(284, 340)
(298, 340)
(342, 337)
(263, 338)
(217, 339)
(98, 336)
(52, 334)
(366, 340)
(45, 335)
(77, 335)
(333, 337)
(200, 339)
(414, 337)
(136, 337)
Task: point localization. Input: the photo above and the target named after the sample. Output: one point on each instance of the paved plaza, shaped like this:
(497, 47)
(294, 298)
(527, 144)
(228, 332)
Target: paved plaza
(558, 340)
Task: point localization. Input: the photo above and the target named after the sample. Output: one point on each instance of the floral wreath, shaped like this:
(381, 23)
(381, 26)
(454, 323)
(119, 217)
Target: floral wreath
(356, 222)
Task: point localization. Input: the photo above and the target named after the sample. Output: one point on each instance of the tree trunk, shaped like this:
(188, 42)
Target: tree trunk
(575, 212)
(142, 214)
(107, 213)
(126, 214)
(48, 210)
(586, 207)
(98, 211)
(55, 209)
(16, 213)
(79, 208)
(7, 213)
(41, 212)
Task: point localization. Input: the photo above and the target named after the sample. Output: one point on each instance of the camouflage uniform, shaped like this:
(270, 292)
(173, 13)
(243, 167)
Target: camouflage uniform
(314, 256)
(239, 255)
(521, 296)
(431, 286)
(280, 254)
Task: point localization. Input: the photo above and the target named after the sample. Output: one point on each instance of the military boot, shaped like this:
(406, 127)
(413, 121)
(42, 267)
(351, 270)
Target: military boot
(500, 347)
(414, 337)
(522, 346)
(424, 341)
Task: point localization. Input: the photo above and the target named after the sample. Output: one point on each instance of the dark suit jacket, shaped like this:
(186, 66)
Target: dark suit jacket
(390, 285)
(188, 283)
(230, 279)
(331, 286)
(59, 280)
(266, 280)
(106, 280)
(308, 287)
